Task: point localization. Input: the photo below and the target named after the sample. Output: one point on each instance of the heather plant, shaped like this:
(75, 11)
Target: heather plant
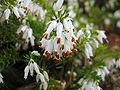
(61, 43)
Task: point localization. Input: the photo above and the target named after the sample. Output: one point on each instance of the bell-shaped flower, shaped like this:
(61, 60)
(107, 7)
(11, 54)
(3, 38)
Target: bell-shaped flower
(22, 12)
(65, 23)
(51, 26)
(101, 36)
(22, 28)
(49, 48)
(1, 78)
(58, 5)
(6, 14)
(46, 75)
(43, 42)
(31, 69)
(36, 53)
(59, 31)
(26, 71)
(88, 50)
(16, 12)
(32, 41)
(80, 33)
(117, 63)
(36, 68)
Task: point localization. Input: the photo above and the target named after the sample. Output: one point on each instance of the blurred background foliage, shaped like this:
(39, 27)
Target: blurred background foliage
(104, 14)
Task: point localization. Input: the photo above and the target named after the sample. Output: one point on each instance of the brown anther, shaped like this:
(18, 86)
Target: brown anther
(45, 35)
(58, 41)
(62, 46)
(73, 39)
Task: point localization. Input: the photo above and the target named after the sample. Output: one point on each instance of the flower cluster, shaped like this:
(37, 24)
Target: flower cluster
(90, 38)
(22, 8)
(43, 77)
(63, 42)
(103, 72)
(113, 63)
(26, 36)
(89, 85)
(1, 78)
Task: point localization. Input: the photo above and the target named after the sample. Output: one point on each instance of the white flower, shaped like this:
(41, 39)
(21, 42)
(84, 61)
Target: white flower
(101, 36)
(16, 12)
(58, 5)
(36, 53)
(22, 28)
(59, 31)
(41, 77)
(117, 63)
(46, 75)
(26, 3)
(31, 67)
(36, 10)
(88, 50)
(26, 71)
(6, 14)
(118, 24)
(27, 35)
(45, 85)
(80, 33)
(36, 67)
(29, 32)
(51, 26)
(89, 85)
(117, 14)
(65, 23)
(22, 12)
(43, 42)
(32, 39)
(1, 78)
(103, 72)
(107, 21)
(96, 43)
(63, 42)
(110, 63)
(72, 14)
